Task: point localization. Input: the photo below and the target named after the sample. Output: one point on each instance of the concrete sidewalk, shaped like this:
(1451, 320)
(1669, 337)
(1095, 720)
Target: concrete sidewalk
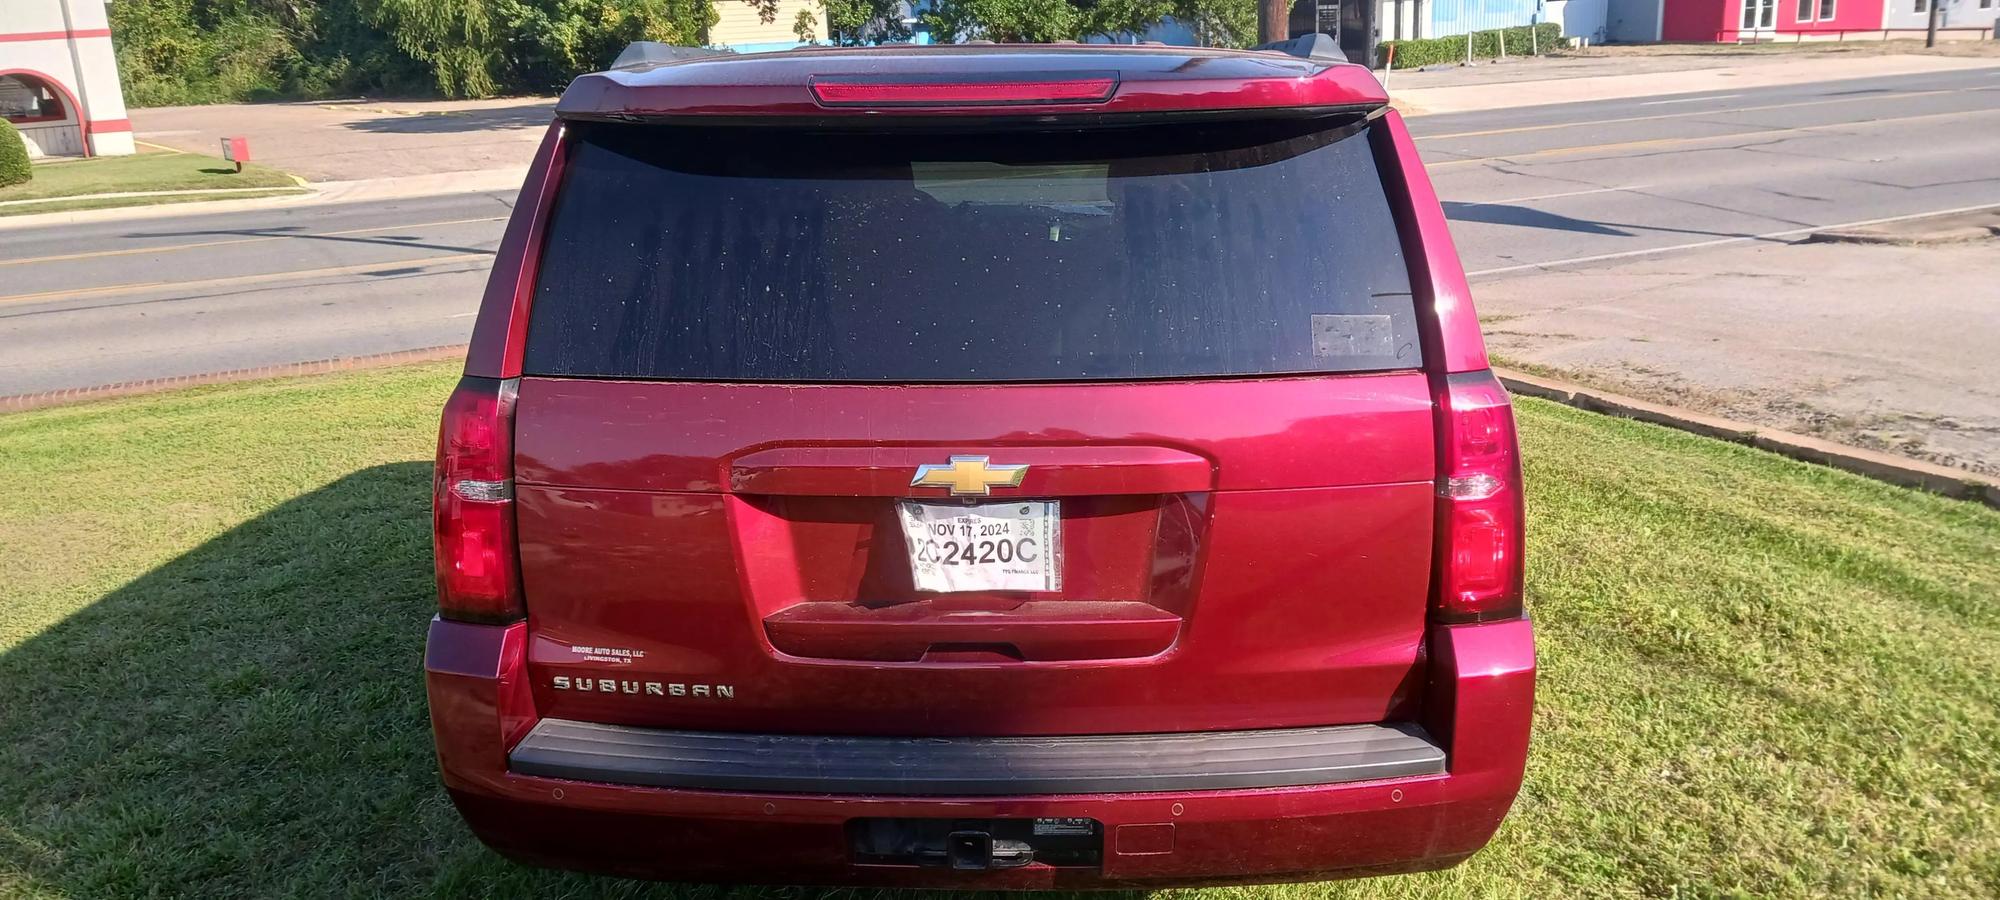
(1884, 347)
(1601, 81)
(1650, 59)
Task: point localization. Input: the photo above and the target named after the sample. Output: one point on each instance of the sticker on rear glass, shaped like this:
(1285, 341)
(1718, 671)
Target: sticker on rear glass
(1352, 335)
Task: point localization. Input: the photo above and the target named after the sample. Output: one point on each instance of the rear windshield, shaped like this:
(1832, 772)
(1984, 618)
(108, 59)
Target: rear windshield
(750, 254)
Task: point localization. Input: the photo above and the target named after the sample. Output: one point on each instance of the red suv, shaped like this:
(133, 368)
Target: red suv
(982, 467)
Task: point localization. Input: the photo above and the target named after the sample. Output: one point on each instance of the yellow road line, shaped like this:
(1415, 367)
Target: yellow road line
(134, 287)
(172, 248)
(157, 146)
(1522, 129)
(1668, 142)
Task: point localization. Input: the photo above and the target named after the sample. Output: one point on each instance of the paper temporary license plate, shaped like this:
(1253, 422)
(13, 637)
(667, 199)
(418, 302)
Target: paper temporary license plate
(1013, 546)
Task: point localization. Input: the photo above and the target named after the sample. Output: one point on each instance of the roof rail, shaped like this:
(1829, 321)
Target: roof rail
(639, 54)
(1319, 47)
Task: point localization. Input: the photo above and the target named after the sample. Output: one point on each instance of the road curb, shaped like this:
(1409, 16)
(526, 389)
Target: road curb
(1950, 482)
(1957, 228)
(69, 396)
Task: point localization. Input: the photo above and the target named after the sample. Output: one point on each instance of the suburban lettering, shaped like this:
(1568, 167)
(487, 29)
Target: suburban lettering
(646, 688)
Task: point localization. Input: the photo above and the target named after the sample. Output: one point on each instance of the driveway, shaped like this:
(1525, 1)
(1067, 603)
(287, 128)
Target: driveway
(352, 140)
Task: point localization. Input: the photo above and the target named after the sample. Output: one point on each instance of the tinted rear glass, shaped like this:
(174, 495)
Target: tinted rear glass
(746, 254)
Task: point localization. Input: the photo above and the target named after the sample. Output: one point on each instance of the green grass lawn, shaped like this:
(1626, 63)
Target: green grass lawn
(141, 172)
(1760, 678)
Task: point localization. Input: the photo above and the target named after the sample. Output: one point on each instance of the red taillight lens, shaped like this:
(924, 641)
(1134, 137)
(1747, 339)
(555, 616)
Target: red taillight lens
(1480, 516)
(1012, 90)
(472, 504)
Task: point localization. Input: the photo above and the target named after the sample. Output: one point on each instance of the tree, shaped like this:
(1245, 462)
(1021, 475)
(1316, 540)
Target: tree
(476, 48)
(865, 21)
(1005, 21)
(549, 42)
(1227, 23)
(458, 39)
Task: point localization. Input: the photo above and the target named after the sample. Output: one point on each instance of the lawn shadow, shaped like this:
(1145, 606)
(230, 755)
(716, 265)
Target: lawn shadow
(245, 720)
(529, 114)
(248, 720)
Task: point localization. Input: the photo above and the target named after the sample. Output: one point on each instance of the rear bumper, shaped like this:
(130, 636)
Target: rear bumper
(1478, 706)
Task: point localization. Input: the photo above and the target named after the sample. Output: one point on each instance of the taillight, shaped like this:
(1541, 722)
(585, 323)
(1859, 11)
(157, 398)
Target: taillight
(472, 504)
(1011, 89)
(1480, 516)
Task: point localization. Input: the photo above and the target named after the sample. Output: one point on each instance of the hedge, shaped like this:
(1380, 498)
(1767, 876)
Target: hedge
(1485, 45)
(14, 168)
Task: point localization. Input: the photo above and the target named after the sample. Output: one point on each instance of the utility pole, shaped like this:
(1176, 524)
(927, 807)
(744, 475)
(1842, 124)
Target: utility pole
(1930, 31)
(1273, 21)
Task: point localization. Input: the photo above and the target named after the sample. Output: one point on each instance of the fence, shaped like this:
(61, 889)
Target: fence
(1496, 44)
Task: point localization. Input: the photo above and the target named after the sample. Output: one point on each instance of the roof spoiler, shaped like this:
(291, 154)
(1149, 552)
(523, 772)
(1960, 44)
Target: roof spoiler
(1316, 47)
(639, 54)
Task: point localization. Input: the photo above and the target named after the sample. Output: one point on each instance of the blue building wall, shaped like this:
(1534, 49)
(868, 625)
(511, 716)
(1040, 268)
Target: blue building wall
(1170, 32)
(1449, 17)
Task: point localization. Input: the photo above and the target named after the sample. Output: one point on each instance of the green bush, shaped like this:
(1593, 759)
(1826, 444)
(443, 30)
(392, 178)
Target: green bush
(1485, 45)
(14, 168)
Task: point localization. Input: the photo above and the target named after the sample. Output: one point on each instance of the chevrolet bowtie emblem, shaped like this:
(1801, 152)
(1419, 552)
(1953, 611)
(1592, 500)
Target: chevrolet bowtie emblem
(969, 476)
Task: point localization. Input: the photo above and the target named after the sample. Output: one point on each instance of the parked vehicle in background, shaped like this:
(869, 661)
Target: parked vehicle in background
(982, 467)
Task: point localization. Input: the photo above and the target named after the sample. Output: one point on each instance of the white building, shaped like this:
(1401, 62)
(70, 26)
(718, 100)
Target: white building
(741, 28)
(59, 79)
(1914, 14)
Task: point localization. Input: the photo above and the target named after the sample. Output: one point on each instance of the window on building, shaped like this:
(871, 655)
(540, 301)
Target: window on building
(1806, 10)
(1825, 10)
(24, 100)
(1923, 6)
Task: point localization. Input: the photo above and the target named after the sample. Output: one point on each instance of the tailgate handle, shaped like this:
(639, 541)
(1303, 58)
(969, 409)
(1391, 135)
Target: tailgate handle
(1035, 631)
(1052, 471)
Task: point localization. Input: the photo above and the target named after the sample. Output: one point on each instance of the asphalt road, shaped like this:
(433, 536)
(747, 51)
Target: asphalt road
(1527, 189)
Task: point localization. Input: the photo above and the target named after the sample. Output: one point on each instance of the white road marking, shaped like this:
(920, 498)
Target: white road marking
(375, 268)
(171, 248)
(1512, 200)
(1688, 100)
(1598, 123)
(1789, 232)
(1519, 158)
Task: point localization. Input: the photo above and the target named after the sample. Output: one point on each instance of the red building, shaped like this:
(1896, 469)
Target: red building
(1729, 21)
